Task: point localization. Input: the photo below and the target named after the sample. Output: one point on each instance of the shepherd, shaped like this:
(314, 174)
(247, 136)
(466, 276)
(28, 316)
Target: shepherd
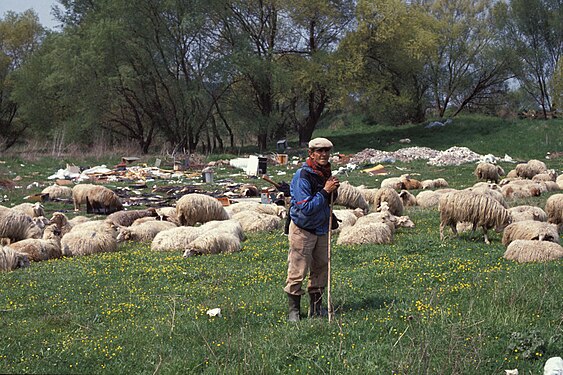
(313, 188)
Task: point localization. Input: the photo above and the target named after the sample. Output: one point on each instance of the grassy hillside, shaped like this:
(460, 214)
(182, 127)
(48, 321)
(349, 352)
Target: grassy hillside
(417, 306)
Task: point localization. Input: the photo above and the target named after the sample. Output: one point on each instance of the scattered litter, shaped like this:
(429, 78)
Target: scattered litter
(378, 169)
(405, 140)
(214, 312)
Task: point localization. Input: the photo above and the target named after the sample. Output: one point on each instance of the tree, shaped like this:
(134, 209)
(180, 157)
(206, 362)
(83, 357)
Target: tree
(381, 63)
(534, 31)
(20, 35)
(316, 28)
(467, 67)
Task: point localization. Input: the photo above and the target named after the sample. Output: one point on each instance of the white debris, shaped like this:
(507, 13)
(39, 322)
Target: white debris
(214, 312)
(98, 169)
(553, 366)
(489, 158)
(63, 174)
(452, 156)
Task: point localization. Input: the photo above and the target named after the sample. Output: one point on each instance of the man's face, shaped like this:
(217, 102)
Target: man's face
(320, 155)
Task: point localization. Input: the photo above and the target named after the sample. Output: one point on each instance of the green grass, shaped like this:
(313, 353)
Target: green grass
(418, 306)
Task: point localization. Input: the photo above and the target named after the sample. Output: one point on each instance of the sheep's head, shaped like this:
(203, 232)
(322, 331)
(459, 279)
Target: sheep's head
(404, 222)
(190, 252)
(59, 219)
(22, 261)
(51, 231)
(123, 234)
(383, 207)
(503, 222)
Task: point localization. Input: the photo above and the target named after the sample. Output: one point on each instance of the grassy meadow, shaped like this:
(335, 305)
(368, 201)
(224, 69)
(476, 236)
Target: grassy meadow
(417, 306)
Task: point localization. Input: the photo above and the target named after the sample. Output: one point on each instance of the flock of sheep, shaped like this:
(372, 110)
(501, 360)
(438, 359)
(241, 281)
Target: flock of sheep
(200, 224)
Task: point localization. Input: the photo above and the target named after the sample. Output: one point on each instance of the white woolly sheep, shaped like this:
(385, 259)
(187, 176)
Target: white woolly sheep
(392, 183)
(350, 196)
(525, 212)
(530, 230)
(391, 197)
(126, 218)
(549, 185)
(199, 208)
(31, 209)
(530, 169)
(368, 194)
(554, 210)
(346, 218)
(231, 226)
(78, 220)
(18, 226)
(257, 222)
(549, 175)
(478, 209)
(492, 191)
(49, 247)
(142, 220)
(407, 198)
(521, 189)
(96, 226)
(11, 259)
(87, 242)
(237, 207)
(214, 241)
(385, 216)
(524, 251)
(511, 174)
(175, 239)
(430, 198)
(376, 228)
(559, 182)
(488, 172)
(168, 214)
(366, 232)
(438, 183)
(57, 192)
(143, 232)
(269, 209)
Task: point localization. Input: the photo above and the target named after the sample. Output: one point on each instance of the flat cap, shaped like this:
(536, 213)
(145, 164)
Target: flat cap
(320, 143)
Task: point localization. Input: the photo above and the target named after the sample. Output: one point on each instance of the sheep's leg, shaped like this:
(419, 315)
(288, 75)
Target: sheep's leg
(442, 225)
(473, 229)
(485, 234)
(454, 228)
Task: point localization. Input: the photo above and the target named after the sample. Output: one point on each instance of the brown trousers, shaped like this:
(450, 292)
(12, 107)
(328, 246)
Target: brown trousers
(307, 253)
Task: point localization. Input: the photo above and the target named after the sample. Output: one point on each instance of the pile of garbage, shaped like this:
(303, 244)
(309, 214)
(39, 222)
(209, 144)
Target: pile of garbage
(452, 156)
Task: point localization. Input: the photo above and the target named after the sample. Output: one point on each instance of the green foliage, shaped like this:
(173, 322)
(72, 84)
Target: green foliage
(528, 345)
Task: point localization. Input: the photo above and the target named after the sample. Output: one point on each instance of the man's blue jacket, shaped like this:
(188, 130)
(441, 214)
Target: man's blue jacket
(310, 204)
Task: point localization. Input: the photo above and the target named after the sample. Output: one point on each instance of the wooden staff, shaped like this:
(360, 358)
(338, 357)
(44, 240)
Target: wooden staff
(328, 293)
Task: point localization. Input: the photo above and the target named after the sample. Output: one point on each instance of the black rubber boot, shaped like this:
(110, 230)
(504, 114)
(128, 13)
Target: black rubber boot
(294, 311)
(316, 309)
